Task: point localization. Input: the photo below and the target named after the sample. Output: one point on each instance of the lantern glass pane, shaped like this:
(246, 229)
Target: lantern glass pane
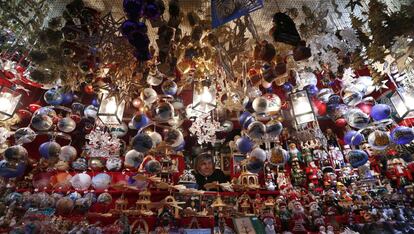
(301, 104)
(8, 102)
(306, 118)
(110, 110)
(399, 105)
(204, 99)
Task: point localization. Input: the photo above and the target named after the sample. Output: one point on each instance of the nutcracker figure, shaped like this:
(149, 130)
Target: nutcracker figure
(294, 153)
(314, 174)
(398, 173)
(307, 155)
(373, 158)
(298, 176)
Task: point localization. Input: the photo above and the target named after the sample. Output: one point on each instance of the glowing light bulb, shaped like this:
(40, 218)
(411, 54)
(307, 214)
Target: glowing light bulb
(111, 106)
(206, 96)
(5, 104)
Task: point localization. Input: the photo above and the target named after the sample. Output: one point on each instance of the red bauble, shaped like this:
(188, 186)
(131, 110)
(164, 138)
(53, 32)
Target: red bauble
(34, 107)
(341, 122)
(24, 114)
(89, 89)
(320, 107)
(365, 107)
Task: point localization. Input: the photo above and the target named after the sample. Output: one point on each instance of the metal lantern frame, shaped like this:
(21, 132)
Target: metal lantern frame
(400, 103)
(13, 98)
(111, 117)
(302, 117)
(199, 104)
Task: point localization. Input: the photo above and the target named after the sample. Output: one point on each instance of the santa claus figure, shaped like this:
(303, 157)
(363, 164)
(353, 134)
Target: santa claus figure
(299, 218)
(314, 174)
(398, 173)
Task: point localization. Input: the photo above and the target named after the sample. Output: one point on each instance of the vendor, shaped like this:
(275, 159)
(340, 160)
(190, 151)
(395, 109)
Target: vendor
(205, 171)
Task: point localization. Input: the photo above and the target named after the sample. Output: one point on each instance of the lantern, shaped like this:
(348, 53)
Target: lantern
(8, 102)
(302, 107)
(403, 103)
(204, 96)
(111, 110)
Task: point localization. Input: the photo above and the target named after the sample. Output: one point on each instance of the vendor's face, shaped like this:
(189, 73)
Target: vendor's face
(206, 168)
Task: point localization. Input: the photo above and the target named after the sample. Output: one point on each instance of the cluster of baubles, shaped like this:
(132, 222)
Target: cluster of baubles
(134, 29)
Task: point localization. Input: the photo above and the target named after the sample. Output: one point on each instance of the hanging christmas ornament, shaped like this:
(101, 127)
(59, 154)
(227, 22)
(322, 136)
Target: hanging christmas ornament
(24, 135)
(80, 164)
(169, 87)
(353, 138)
(101, 181)
(114, 164)
(133, 159)
(119, 130)
(65, 206)
(256, 130)
(244, 145)
(357, 119)
(96, 164)
(357, 158)
(402, 135)
(260, 105)
(61, 181)
(380, 112)
(41, 122)
(149, 96)
(68, 153)
(91, 111)
(153, 166)
(136, 102)
(67, 98)
(66, 124)
(12, 169)
(104, 198)
(53, 97)
(162, 111)
(379, 140)
(81, 181)
(50, 149)
(324, 94)
(227, 126)
(155, 137)
(274, 128)
(142, 142)
(174, 137)
(245, 119)
(140, 120)
(15, 153)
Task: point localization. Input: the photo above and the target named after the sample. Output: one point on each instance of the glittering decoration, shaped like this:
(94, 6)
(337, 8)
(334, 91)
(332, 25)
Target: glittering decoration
(102, 144)
(205, 128)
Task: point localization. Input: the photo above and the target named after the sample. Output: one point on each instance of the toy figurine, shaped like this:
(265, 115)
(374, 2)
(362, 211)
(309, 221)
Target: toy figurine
(282, 180)
(317, 219)
(270, 225)
(294, 153)
(398, 173)
(269, 180)
(319, 155)
(331, 138)
(298, 217)
(284, 215)
(314, 174)
(307, 155)
(298, 176)
(338, 158)
(346, 150)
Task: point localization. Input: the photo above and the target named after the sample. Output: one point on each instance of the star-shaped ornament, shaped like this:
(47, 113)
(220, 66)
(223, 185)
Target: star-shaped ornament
(353, 3)
(381, 86)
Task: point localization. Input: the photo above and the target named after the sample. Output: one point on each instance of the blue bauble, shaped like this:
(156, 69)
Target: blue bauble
(101, 181)
(139, 40)
(142, 142)
(53, 97)
(49, 149)
(11, 170)
(380, 112)
(334, 99)
(95, 102)
(151, 11)
(287, 87)
(140, 120)
(353, 138)
(402, 135)
(180, 147)
(244, 144)
(128, 26)
(67, 98)
(357, 158)
(312, 89)
(246, 119)
(255, 166)
(153, 166)
(133, 8)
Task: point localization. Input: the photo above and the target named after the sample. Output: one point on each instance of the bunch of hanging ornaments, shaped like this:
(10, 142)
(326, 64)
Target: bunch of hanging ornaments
(134, 28)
